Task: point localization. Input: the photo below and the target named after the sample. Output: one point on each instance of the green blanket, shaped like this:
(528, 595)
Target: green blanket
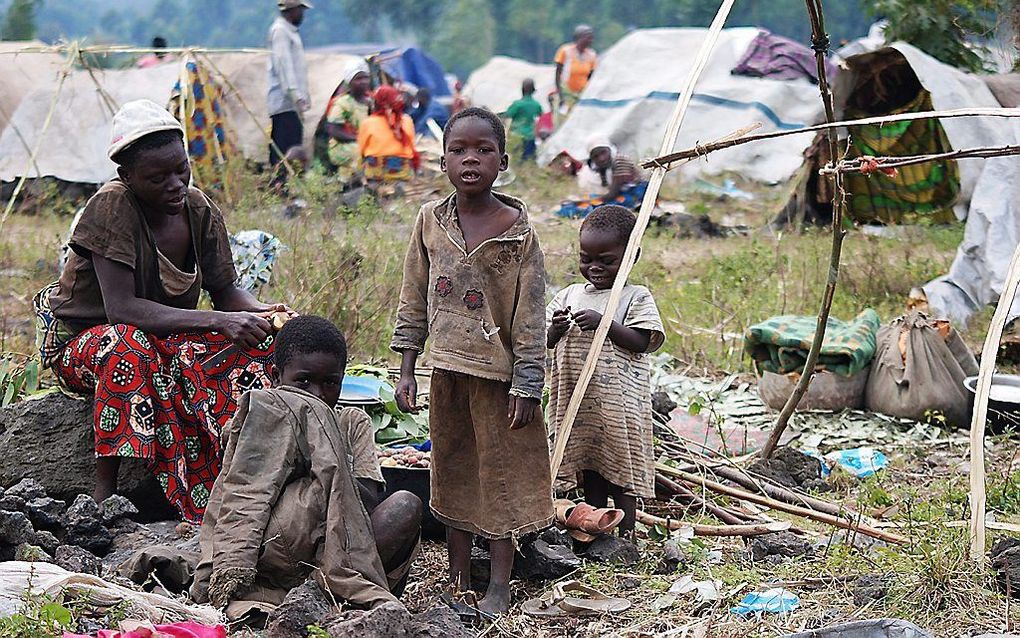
(781, 344)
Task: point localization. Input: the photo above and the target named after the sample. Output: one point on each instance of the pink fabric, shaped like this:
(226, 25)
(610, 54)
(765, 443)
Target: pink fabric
(176, 630)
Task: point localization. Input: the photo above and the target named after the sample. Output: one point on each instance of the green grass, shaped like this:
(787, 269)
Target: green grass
(345, 263)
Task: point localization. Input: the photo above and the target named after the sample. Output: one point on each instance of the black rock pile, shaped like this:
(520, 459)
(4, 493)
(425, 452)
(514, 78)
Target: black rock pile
(36, 527)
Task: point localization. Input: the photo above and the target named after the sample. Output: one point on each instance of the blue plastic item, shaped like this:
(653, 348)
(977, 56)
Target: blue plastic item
(862, 462)
(363, 390)
(772, 601)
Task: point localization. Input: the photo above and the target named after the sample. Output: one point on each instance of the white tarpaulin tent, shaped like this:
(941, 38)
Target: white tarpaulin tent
(73, 148)
(23, 73)
(497, 83)
(633, 91)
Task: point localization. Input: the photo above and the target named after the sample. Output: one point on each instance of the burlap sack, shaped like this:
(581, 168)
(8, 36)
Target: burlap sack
(919, 369)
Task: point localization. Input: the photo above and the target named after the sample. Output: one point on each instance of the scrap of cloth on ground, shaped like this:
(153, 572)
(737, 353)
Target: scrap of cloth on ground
(781, 344)
(287, 506)
(612, 434)
(163, 399)
(922, 191)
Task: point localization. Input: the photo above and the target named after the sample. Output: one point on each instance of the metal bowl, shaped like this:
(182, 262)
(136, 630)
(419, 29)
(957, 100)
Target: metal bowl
(1003, 411)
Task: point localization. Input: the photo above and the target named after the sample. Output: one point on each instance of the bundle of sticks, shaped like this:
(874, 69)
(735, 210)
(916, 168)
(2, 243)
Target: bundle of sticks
(698, 477)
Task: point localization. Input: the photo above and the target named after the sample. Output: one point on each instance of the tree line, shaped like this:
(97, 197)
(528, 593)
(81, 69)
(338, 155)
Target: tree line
(463, 34)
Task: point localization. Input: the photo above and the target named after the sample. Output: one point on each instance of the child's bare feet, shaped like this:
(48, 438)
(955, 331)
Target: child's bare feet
(496, 601)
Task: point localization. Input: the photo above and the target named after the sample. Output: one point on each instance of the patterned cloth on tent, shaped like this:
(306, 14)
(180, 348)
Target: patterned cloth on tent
(922, 191)
(205, 125)
(778, 58)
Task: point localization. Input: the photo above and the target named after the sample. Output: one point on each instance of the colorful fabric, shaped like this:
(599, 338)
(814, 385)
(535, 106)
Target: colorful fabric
(577, 66)
(387, 169)
(208, 137)
(176, 630)
(388, 103)
(522, 114)
(376, 138)
(612, 434)
(347, 113)
(778, 58)
(254, 253)
(156, 400)
(630, 197)
(781, 344)
(922, 191)
(51, 334)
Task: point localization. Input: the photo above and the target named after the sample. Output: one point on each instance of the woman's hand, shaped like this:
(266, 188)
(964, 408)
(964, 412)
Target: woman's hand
(521, 411)
(406, 394)
(245, 329)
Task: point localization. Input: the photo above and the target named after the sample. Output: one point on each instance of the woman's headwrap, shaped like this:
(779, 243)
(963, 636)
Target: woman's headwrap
(388, 102)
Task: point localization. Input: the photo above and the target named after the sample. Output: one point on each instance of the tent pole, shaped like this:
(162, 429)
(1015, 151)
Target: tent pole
(820, 44)
(977, 426)
(630, 255)
(704, 149)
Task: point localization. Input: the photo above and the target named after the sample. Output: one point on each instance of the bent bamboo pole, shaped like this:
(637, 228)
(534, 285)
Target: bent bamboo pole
(630, 255)
(977, 423)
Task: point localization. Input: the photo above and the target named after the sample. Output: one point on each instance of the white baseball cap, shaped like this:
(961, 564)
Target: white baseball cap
(137, 119)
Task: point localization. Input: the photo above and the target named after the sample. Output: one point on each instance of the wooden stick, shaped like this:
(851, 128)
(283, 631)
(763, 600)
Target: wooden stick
(858, 164)
(704, 149)
(777, 492)
(779, 506)
(696, 502)
(633, 245)
(820, 43)
(977, 425)
(759, 529)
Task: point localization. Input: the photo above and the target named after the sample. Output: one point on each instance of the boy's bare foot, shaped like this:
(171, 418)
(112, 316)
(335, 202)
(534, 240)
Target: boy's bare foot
(496, 601)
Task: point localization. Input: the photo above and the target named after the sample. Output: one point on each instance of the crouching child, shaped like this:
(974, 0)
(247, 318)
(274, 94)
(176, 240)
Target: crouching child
(298, 495)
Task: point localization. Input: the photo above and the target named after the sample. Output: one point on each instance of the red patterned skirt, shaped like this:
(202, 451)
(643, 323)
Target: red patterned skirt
(162, 400)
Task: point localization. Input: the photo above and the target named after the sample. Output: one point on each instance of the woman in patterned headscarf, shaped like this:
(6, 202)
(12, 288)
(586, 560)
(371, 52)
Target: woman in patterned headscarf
(348, 108)
(386, 139)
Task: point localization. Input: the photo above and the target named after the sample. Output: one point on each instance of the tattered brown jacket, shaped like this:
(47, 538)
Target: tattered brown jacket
(484, 311)
(287, 505)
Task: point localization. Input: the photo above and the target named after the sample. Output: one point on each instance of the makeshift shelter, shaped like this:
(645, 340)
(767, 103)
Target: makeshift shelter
(410, 65)
(898, 78)
(73, 147)
(632, 93)
(497, 83)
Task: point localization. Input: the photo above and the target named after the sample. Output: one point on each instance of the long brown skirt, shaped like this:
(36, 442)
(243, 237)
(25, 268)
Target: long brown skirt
(486, 478)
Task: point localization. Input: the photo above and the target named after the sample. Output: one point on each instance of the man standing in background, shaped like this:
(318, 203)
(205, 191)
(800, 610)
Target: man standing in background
(288, 95)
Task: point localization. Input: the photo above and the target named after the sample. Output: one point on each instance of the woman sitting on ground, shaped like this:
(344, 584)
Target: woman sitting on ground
(606, 177)
(386, 139)
(165, 376)
(348, 108)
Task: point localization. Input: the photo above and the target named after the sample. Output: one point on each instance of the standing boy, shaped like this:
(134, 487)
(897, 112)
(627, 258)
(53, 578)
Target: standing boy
(522, 114)
(474, 282)
(288, 79)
